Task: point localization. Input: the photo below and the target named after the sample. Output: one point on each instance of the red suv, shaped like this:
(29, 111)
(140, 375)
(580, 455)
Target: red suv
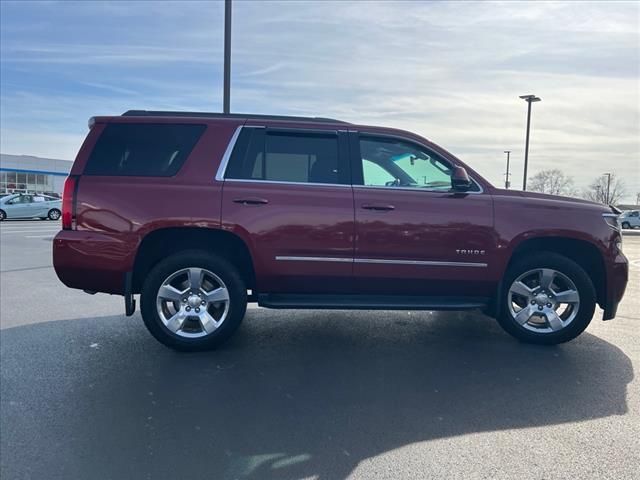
(201, 213)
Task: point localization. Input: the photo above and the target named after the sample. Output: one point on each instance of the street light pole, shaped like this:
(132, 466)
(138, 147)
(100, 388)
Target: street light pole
(608, 186)
(226, 95)
(506, 175)
(529, 99)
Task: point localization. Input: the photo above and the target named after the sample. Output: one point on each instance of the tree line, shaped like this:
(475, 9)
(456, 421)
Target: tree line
(556, 182)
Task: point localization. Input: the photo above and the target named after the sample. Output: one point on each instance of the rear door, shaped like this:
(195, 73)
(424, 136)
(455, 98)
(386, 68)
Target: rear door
(40, 206)
(287, 193)
(415, 236)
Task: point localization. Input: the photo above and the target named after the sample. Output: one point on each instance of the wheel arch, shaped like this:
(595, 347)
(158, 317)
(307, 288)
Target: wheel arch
(584, 253)
(160, 243)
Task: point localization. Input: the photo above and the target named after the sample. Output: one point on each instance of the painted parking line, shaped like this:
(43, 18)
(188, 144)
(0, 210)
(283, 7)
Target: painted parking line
(31, 231)
(39, 236)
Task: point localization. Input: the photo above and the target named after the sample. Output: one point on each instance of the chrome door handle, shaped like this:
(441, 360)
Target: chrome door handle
(251, 201)
(378, 207)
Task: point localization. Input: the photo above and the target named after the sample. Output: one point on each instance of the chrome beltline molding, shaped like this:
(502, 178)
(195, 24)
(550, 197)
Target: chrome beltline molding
(382, 261)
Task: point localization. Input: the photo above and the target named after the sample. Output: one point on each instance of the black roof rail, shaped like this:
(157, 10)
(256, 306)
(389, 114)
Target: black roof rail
(158, 113)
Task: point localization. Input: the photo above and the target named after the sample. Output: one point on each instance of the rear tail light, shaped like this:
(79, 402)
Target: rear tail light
(69, 203)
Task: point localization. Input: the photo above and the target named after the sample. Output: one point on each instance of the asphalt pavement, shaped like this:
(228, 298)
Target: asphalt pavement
(87, 393)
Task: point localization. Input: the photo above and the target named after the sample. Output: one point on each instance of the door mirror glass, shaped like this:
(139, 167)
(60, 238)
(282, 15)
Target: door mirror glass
(460, 181)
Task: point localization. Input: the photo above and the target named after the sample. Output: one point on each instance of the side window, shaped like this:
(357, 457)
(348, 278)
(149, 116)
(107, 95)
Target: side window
(21, 199)
(140, 149)
(404, 165)
(286, 156)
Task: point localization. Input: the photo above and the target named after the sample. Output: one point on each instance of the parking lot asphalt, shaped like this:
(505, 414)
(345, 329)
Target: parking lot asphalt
(86, 392)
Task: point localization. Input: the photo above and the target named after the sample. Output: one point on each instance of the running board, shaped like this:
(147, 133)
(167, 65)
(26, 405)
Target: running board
(369, 302)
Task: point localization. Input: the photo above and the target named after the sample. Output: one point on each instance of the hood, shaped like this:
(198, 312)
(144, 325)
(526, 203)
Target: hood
(569, 201)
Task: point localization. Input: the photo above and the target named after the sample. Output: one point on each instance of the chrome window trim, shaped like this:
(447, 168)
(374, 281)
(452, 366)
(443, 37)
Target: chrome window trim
(308, 131)
(382, 261)
(419, 189)
(222, 169)
(282, 182)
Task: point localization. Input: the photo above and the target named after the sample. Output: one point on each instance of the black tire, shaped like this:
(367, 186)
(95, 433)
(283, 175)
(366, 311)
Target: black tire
(626, 225)
(3, 215)
(54, 214)
(193, 258)
(571, 270)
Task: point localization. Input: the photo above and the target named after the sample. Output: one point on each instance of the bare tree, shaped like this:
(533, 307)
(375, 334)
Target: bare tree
(597, 191)
(553, 182)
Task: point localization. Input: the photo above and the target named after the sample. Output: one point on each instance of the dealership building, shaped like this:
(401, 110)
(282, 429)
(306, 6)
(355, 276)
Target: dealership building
(26, 174)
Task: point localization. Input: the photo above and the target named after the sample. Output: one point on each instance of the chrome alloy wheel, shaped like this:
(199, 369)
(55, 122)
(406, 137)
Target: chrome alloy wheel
(193, 302)
(543, 300)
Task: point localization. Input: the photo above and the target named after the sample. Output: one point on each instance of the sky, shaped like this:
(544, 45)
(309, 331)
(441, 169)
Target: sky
(450, 71)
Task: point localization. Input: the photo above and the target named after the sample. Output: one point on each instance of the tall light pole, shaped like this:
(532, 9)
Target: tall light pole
(506, 175)
(226, 94)
(529, 99)
(608, 187)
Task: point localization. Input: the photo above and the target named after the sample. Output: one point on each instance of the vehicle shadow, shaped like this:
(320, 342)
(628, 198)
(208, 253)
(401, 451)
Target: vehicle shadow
(293, 395)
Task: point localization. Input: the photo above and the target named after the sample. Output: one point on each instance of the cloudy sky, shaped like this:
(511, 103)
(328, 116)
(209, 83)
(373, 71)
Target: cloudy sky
(450, 71)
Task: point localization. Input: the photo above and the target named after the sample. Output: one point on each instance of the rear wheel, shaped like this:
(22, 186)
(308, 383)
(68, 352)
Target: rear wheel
(54, 214)
(3, 215)
(193, 301)
(547, 299)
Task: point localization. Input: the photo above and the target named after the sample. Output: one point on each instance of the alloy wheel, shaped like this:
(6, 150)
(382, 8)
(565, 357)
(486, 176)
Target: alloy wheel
(193, 302)
(543, 300)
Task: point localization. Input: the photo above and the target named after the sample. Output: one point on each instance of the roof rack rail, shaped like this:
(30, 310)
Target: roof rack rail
(158, 113)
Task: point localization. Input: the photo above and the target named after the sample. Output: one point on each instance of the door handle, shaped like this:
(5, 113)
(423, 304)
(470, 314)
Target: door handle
(251, 201)
(378, 207)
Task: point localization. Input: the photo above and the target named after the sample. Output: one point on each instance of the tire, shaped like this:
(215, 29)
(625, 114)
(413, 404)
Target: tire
(3, 215)
(158, 313)
(54, 214)
(543, 327)
(626, 225)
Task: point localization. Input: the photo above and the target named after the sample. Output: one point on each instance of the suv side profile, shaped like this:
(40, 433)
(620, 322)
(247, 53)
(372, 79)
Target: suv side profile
(201, 213)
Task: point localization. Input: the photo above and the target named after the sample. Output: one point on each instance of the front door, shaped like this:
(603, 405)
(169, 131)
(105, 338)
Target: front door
(414, 235)
(287, 193)
(21, 207)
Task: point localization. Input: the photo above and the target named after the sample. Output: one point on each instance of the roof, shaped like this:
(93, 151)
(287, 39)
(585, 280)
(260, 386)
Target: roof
(158, 113)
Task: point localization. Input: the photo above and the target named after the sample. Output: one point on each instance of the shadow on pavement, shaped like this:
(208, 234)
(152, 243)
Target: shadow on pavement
(294, 394)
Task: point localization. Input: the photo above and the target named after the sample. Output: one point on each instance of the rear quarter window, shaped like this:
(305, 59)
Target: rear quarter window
(147, 150)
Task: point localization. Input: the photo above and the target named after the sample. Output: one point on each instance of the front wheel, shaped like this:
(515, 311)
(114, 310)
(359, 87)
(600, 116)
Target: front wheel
(3, 215)
(626, 225)
(547, 299)
(193, 301)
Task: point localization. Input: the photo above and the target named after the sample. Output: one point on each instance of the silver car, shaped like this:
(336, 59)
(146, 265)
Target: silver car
(27, 205)
(630, 219)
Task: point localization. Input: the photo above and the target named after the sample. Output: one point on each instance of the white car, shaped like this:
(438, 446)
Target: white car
(630, 219)
(20, 205)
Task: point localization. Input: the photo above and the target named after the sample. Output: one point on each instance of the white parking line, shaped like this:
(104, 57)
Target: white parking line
(34, 230)
(38, 236)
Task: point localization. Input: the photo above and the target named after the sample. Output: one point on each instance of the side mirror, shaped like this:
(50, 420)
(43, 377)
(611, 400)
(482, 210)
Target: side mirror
(460, 181)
